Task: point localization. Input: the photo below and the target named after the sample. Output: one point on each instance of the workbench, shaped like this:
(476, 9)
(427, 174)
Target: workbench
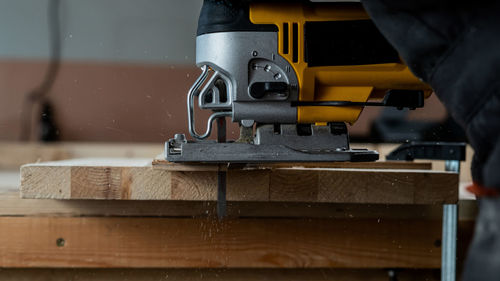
(132, 216)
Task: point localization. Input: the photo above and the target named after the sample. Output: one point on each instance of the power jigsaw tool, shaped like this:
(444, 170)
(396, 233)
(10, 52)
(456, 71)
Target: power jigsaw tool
(292, 74)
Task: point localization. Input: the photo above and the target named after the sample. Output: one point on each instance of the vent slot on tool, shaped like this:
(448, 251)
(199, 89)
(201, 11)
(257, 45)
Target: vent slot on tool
(284, 33)
(295, 42)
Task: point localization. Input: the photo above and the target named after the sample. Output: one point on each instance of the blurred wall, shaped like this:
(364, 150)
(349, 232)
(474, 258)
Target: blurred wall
(127, 66)
(144, 31)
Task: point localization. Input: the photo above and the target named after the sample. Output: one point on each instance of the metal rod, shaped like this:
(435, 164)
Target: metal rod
(449, 234)
(449, 244)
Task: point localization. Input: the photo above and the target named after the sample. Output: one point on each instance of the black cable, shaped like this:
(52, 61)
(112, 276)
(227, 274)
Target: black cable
(336, 103)
(40, 93)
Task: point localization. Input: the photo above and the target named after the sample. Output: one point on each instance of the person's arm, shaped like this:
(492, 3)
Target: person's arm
(455, 47)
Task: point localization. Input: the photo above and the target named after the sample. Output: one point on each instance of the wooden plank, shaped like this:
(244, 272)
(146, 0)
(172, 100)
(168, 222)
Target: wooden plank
(210, 243)
(117, 178)
(136, 179)
(214, 274)
(12, 205)
(394, 186)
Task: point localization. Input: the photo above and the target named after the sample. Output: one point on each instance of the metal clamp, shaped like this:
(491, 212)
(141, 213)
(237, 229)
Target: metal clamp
(194, 92)
(452, 153)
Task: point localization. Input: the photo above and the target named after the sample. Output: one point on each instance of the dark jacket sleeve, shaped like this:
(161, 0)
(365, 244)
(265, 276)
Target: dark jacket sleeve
(455, 47)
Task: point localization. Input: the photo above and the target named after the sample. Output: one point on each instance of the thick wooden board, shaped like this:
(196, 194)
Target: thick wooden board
(209, 243)
(214, 274)
(138, 180)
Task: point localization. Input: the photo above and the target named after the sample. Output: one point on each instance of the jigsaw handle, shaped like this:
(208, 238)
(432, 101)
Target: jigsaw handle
(225, 16)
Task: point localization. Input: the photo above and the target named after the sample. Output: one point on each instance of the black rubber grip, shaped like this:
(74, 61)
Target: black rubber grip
(226, 16)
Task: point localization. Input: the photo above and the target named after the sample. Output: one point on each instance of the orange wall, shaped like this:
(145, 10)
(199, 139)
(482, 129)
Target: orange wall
(101, 102)
(120, 102)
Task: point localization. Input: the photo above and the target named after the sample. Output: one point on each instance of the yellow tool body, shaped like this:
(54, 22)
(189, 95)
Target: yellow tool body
(356, 83)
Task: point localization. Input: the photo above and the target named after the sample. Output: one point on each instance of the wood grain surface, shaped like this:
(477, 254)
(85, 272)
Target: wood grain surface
(137, 179)
(208, 243)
